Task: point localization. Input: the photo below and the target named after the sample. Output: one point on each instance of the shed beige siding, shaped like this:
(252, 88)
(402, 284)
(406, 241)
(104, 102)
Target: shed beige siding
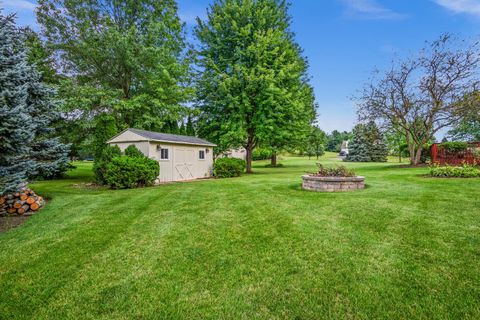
(184, 161)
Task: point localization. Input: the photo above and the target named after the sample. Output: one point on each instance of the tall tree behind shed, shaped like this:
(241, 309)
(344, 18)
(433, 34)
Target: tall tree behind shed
(253, 80)
(123, 58)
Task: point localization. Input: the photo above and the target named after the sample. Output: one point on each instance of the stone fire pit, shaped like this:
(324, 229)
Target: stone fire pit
(332, 184)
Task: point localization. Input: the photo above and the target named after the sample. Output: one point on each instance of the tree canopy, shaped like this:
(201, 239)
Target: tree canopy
(124, 58)
(253, 86)
(425, 93)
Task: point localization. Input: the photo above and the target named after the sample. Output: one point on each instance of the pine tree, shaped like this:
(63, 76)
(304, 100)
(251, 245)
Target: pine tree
(27, 110)
(367, 145)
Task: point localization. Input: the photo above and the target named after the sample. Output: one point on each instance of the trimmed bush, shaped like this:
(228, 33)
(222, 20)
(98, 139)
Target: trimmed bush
(261, 154)
(465, 171)
(132, 151)
(228, 167)
(101, 162)
(131, 172)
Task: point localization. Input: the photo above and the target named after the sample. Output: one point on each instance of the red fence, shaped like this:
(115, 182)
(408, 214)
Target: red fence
(442, 156)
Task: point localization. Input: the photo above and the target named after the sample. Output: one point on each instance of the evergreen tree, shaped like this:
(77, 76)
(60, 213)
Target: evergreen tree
(367, 145)
(253, 89)
(190, 129)
(27, 110)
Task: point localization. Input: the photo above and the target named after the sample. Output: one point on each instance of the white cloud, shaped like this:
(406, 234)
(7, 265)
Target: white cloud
(461, 6)
(370, 10)
(17, 5)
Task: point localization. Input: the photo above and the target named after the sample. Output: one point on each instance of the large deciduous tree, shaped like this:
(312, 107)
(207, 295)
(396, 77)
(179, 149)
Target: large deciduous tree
(124, 58)
(27, 110)
(253, 87)
(424, 94)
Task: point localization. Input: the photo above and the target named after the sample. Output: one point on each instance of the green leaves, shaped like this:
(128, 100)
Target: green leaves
(124, 58)
(253, 87)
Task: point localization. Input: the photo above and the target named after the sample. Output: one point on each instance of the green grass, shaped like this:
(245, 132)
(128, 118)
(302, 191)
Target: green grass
(255, 247)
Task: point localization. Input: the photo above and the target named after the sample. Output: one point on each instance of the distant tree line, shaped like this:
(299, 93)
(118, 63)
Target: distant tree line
(101, 66)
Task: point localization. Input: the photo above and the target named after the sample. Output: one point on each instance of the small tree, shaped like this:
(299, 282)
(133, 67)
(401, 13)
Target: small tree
(424, 94)
(315, 142)
(367, 145)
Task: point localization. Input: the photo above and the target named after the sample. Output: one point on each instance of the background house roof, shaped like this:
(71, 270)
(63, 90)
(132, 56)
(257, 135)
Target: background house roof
(167, 137)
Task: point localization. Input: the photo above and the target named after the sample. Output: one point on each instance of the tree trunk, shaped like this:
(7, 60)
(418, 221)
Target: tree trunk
(418, 156)
(249, 149)
(274, 160)
(415, 155)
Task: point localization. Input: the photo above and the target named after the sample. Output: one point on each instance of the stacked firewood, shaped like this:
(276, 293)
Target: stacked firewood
(20, 203)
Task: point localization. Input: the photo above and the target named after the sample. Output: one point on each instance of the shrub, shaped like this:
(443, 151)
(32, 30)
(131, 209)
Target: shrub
(454, 147)
(465, 171)
(228, 167)
(130, 172)
(132, 151)
(338, 171)
(261, 154)
(101, 162)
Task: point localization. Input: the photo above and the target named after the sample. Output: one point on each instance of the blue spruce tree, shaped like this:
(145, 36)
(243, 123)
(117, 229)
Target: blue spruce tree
(367, 145)
(27, 109)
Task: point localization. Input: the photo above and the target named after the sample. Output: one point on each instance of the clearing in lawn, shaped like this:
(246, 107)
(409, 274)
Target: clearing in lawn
(251, 247)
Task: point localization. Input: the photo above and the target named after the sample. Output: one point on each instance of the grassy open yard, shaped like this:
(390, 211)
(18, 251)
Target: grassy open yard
(407, 247)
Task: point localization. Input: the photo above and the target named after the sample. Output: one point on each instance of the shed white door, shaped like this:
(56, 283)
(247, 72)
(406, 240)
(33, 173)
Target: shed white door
(183, 166)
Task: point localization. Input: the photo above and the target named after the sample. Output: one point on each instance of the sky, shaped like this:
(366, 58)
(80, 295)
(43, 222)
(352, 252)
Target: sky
(344, 40)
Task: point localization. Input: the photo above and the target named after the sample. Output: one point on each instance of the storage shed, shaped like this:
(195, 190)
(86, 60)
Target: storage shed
(181, 158)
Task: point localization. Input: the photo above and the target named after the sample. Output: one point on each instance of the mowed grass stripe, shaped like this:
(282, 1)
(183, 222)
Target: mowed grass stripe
(250, 247)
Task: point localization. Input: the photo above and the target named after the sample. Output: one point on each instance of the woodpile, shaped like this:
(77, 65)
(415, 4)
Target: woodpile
(25, 202)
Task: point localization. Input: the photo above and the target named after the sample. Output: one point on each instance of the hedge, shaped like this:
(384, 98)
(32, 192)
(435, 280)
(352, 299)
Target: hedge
(228, 167)
(126, 172)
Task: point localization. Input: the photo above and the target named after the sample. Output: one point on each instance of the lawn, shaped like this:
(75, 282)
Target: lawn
(255, 247)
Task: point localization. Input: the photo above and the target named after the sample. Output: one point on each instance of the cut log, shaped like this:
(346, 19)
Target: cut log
(34, 206)
(31, 200)
(18, 204)
(23, 209)
(3, 200)
(11, 210)
(23, 196)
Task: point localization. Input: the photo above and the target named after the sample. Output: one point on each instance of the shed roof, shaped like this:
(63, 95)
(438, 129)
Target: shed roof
(166, 137)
